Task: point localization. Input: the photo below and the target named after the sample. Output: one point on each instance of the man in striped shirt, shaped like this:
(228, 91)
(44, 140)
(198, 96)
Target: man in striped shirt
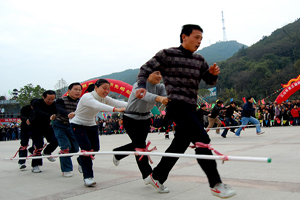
(182, 71)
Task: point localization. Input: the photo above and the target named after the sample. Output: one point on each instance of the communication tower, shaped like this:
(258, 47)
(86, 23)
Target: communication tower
(224, 33)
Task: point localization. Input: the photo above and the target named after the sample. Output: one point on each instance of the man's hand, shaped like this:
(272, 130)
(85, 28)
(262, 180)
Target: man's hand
(163, 100)
(27, 122)
(53, 117)
(214, 70)
(140, 93)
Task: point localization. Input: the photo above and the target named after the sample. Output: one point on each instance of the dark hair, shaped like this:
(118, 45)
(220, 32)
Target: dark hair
(90, 88)
(73, 84)
(32, 100)
(50, 92)
(219, 101)
(101, 81)
(202, 105)
(188, 29)
(233, 102)
(248, 98)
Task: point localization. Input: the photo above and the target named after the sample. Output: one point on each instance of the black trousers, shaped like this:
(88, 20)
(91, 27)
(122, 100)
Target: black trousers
(137, 130)
(24, 137)
(38, 134)
(188, 129)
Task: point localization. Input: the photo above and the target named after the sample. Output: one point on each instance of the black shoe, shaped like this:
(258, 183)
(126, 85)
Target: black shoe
(232, 131)
(224, 136)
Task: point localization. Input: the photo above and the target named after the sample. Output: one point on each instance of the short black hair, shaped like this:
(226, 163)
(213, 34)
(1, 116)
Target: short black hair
(50, 92)
(188, 29)
(248, 98)
(219, 101)
(101, 81)
(32, 100)
(233, 102)
(73, 84)
(202, 105)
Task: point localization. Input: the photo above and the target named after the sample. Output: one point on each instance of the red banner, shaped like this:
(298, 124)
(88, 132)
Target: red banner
(16, 120)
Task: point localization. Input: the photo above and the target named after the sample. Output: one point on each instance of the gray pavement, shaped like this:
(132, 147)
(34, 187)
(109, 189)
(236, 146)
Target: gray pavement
(278, 180)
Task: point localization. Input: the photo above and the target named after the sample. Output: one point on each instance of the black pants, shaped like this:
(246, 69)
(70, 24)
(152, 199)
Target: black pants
(38, 134)
(24, 137)
(137, 130)
(188, 129)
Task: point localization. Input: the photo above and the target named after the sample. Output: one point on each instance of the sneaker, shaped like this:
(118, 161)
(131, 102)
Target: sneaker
(223, 136)
(115, 161)
(232, 131)
(36, 169)
(260, 133)
(156, 184)
(89, 182)
(80, 169)
(222, 190)
(49, 158)
(22, 166)
(67, 174)
(237, 136)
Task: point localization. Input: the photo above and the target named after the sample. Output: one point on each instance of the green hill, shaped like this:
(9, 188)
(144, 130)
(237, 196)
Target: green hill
(220, 51)
(260, 70)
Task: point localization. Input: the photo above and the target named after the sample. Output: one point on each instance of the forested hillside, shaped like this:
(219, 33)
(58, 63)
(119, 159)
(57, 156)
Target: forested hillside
(220, 51)
(261, 69)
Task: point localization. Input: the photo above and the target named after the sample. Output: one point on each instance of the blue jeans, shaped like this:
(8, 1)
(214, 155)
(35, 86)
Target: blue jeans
(245, 121)
(87, 138)
(66, 140)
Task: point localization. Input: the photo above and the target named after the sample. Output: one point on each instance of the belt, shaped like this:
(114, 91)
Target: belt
(137, 113)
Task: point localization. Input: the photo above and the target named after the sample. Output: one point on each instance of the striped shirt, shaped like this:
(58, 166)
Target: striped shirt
(182, 72)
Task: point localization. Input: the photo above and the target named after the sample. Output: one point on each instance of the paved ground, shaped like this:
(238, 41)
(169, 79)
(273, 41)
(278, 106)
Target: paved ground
(279, 180)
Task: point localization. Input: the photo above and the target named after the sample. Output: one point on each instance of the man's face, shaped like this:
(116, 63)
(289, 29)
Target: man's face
(75, 92)
(193, 41)
(49, 99)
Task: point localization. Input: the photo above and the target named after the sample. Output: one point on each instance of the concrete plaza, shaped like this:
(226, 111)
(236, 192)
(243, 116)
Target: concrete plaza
(278, 180)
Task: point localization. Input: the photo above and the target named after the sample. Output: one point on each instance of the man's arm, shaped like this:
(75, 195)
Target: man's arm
(154, 64)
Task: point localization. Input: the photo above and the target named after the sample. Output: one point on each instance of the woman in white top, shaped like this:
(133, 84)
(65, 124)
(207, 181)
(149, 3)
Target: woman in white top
(84, 127)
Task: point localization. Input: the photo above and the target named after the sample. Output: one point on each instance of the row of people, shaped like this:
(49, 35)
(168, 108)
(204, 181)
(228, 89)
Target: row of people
(179, 93)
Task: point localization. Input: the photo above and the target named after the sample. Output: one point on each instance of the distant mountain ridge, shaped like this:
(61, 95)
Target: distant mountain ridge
(214, 53)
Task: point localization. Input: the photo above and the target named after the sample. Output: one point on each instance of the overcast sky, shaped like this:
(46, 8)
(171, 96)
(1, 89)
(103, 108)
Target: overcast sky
(43, 41)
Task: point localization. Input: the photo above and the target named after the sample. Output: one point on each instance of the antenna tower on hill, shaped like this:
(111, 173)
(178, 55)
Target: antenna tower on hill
(224, 33)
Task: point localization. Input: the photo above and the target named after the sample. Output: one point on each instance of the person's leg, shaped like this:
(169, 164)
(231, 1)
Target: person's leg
(80, 134)
(51, 139)
(188, 129)
(227, 123)
(211, 122)
(38, 141)
(24, 143)
(255, 122)
(61, 133)
(245, 121)
(219, 124)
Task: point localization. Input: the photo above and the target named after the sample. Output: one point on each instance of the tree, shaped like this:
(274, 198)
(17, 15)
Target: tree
(60, 86)
(203, 93)
(29, 92)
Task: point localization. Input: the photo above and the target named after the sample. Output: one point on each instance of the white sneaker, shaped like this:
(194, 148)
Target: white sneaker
(80, 169)
(89, 182)
(49, 158)
(22, 166)
(222, 190)
(36, 169)
(67, 174)
(115, 161)
(260, 133)
(156, 184)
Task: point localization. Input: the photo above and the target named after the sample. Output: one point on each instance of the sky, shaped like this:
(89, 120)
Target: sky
(42, 42)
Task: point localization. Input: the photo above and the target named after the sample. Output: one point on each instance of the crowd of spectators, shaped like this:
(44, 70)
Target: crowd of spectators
(270, 114)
